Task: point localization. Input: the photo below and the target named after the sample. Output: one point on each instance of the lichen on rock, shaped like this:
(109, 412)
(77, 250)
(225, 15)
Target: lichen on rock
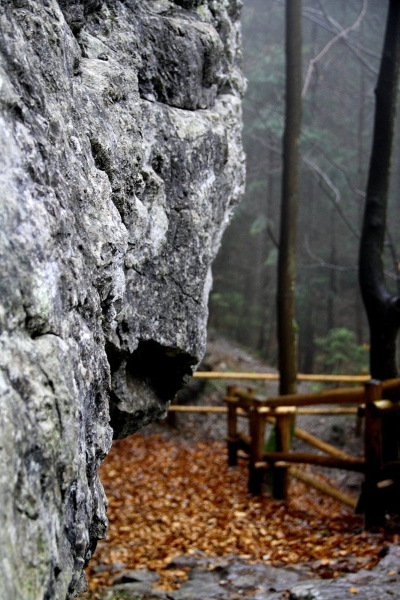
(121, 162)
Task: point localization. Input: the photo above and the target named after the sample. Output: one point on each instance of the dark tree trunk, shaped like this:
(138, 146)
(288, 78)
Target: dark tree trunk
(290, 189)
(382, 308)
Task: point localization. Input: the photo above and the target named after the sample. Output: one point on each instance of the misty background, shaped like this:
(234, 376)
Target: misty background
(342, 44)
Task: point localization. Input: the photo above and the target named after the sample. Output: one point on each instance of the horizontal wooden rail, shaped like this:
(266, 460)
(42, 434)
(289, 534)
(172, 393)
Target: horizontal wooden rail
(349, 464)
(275, 377)
(235, 375)
(333, 378)
(391, 385)
(201, 409)
(335, 396)
(323, 487)
(335, 410)
(314, 441)
(344, 410)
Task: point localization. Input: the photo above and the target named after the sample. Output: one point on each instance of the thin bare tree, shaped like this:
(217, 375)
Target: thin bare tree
(287, 335)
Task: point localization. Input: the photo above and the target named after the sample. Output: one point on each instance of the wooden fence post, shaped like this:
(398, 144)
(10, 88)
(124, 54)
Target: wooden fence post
(372, 497)
(257, 431)
(281, 474)
(232, 429)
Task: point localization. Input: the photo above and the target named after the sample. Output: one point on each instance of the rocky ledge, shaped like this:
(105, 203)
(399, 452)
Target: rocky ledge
(120, 164)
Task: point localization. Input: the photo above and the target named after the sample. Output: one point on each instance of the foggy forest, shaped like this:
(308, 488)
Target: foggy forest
(342, 44)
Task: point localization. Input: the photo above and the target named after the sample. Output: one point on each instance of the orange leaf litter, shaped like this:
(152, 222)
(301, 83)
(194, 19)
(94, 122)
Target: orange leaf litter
(168, 498)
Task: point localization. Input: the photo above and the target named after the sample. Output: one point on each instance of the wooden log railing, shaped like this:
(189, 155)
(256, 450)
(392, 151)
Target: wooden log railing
(234, 375)
(330, 490)
(223, 410)
(337, 396)
(380, 464)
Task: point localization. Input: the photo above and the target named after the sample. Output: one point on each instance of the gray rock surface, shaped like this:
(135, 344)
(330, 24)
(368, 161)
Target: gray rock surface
(382, 583)
(120, 164)
(231, 579)
(214, 579)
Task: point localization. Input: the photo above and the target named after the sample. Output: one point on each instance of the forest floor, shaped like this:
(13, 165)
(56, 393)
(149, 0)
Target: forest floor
(177, 512)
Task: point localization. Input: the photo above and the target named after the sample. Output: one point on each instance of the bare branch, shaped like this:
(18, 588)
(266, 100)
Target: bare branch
(342, 34)
(320, 150)
(332, 26)
(353, 45)
(320, 262)
(335, 194)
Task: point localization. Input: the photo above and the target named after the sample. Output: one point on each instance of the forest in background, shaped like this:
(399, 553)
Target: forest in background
(340, 73)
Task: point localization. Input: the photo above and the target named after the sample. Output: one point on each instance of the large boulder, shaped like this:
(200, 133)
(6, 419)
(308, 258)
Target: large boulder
(120, 164)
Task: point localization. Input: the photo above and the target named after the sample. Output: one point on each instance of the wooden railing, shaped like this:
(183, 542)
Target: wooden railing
(379, 464)
(232, 375)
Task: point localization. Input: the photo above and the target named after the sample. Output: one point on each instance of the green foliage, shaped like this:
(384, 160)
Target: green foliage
(339, 353)
(272, 258)
(259, 225)
(232, 301)
(226, 308)
(257, 186)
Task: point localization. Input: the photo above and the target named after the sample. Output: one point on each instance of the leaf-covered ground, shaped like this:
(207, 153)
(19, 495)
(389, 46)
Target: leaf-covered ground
(168, 497)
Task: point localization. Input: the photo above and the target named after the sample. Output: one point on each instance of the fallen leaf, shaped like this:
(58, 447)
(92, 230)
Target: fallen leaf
(169, 497)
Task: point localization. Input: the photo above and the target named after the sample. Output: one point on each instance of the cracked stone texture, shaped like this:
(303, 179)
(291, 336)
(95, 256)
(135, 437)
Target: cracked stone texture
(210, 579)
(120, 164)
(231, 579)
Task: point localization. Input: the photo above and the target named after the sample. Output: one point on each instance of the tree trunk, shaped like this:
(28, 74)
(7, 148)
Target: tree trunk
(382, 308)
(290, 190)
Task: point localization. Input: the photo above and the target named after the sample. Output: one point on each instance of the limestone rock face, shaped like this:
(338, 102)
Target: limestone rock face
(120, 163)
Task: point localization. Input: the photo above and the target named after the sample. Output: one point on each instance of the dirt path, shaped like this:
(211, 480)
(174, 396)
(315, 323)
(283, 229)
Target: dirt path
(183, 527)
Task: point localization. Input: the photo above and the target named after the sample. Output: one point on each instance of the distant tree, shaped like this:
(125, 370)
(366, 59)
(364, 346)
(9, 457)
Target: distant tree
(382, 307)
(287, 335)
(339, 352)
(335, 144)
